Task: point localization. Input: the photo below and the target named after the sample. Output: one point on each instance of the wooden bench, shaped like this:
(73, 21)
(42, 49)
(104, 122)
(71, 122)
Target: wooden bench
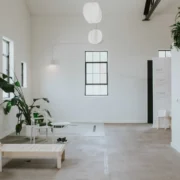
(33, 151)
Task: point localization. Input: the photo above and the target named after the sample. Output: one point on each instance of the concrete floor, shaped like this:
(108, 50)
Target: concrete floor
(124, 152)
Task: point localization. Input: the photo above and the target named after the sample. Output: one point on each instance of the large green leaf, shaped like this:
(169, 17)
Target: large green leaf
(6, 86)
(14, 100)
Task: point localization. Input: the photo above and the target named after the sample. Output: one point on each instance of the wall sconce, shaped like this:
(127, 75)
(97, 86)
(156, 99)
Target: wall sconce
(53, 62)
(52, 67)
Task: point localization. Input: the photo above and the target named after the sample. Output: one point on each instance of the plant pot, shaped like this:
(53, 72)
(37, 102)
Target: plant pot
(34, 130)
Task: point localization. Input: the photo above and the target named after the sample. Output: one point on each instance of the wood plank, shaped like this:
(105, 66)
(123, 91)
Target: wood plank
(32, 148)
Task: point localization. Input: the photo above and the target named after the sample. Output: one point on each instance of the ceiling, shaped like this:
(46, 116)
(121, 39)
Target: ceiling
(74, 7)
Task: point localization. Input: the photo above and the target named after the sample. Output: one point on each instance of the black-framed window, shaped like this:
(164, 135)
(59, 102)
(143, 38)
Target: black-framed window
(96, 73)
(164, 53)
(6, 62)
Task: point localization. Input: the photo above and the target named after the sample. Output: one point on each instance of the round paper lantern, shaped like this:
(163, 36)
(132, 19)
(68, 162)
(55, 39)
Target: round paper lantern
(92, 12)
(95, 36)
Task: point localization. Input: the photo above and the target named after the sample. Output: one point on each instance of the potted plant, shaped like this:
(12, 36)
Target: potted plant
(10, 85)
(176, 31)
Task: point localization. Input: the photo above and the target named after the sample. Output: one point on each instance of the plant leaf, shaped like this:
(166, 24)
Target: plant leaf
(14, 101)
(18, 115)
(6, 86)
(5, 111)
(18, 128)
(46, 99)
(48, 112)
(17, 84)
(35, 99)
(4, 76)
(8, 107)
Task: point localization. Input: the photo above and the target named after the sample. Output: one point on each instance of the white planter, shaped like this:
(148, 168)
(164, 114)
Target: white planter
(28, 131)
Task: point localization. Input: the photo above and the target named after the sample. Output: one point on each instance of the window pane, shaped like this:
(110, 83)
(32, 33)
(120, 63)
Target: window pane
(168, 53)
(103, 68)
(104, 56)
(96, 78)
(5, 95)
(5, 65)
(89, 56)
(103, 90)
(89, 68)
(162, 54)
(89, 79)
(96, 68)
(103, 78)
(96, 56)
(5, 48)
(96, 90)
(89, 90)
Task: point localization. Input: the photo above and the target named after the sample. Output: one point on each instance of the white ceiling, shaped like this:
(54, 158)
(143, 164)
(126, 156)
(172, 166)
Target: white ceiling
(72, 7)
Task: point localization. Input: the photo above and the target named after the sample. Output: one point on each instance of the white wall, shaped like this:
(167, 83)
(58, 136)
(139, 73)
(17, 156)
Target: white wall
(175, 99)
(15, 24)
(130, 43)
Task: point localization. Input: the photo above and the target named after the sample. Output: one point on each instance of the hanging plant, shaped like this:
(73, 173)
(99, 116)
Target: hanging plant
(176, 31)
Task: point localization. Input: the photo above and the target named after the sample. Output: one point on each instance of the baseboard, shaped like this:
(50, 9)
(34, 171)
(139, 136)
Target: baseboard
(175, 146)
(107, 122)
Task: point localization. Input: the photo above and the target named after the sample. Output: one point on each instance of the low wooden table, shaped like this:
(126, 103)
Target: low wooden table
(33, 151)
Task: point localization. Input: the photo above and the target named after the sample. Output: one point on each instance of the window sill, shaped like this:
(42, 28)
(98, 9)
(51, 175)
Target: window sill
(96, 95)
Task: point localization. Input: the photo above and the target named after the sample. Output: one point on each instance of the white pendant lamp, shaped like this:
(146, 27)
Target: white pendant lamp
(95, 36)
(92, 12)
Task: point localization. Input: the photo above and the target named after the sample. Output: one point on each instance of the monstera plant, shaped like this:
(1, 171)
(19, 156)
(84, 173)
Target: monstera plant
(12, 85)
(176, 31)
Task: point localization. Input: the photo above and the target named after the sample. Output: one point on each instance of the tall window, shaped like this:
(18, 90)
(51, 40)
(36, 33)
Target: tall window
(164, 53)
(96, 73)
(6, 62)
(23, 74)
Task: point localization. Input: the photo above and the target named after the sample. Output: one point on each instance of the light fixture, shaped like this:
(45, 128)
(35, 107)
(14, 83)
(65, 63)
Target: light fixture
(53, 62)
(95, 36)
(92, 12)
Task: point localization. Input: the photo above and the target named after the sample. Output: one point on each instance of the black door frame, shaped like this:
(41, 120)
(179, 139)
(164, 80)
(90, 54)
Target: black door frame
(150, 91)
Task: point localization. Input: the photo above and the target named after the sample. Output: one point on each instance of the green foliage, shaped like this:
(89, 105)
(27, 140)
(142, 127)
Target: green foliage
(176, 30)
(18, 100)
(6, 86)
(17, 84)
